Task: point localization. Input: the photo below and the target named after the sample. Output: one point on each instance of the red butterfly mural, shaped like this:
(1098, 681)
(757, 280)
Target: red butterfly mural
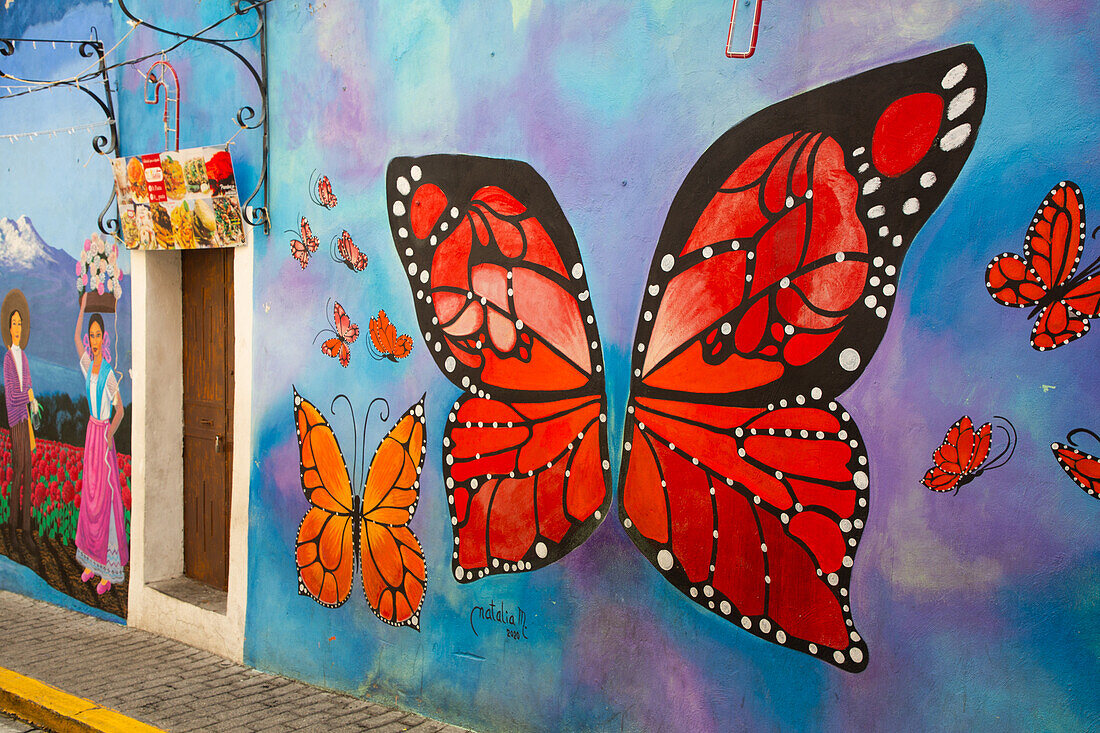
(344, 334)
(962, 457)
(306, 245)
(1082, 467)
(320, 192)
(346, 253)
(385, 343)
(1043, 279)
(744, 481)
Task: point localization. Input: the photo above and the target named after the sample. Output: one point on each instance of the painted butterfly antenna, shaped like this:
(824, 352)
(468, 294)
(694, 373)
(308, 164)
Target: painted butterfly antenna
(383, 417)
(297, 231)
(334, 249)
(313, 196)
(332, 329)
(355, 436)
(1010, 447)
(1080, 431)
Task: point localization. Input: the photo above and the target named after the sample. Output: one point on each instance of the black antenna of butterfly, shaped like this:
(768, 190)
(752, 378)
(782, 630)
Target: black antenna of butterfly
(297, 231)
(1069, 436)
(313, 195)
(328, 309)
(1009, 448)
(358, 459)
(383, 417)
(334, 248)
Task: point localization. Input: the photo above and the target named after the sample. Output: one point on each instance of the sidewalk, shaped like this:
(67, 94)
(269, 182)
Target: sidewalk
(109, 677)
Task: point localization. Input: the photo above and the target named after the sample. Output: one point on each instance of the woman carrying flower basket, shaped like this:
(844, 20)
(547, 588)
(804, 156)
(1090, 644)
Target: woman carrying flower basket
(101, 543)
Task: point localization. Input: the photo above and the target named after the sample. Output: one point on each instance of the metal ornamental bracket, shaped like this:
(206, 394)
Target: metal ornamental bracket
(100, 143)
(246, 115)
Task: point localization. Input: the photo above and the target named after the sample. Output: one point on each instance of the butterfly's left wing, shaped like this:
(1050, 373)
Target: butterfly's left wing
(391, 557)
(1083, 468)
(744, 480)
(325, 548)
(337, 349)
(503, 302)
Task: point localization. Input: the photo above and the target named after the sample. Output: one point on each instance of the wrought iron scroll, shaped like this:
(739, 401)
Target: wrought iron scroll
(246, 115)
(102, 144)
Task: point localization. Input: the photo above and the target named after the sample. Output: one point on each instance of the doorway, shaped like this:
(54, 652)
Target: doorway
(208, 344)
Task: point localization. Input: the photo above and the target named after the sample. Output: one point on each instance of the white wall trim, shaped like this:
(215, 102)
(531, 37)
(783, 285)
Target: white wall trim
(156, 531)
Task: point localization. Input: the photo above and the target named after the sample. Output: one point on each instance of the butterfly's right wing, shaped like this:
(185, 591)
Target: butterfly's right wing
(503, 302)
(392, 559)
(325, 549)
(744, 480)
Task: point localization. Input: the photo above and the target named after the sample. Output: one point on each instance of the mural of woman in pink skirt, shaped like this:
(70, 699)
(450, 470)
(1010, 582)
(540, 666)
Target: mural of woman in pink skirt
(101, 543)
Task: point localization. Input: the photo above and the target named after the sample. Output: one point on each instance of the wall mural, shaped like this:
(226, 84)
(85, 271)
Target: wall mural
(65, 470)
(744, 481)
(582, 148)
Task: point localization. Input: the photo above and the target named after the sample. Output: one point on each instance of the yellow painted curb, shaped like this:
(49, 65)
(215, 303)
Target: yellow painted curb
(46, 706)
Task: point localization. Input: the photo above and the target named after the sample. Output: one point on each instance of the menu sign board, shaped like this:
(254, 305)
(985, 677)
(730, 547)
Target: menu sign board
(181, 199)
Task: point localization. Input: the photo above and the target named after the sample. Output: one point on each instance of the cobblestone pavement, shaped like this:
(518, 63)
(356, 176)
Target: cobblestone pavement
(8, 724)
(173, 686)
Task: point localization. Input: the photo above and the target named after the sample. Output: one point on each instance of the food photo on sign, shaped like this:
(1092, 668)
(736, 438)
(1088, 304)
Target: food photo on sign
(181, 199)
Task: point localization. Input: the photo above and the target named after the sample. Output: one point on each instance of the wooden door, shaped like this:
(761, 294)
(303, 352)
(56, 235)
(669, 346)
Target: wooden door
(207, 276)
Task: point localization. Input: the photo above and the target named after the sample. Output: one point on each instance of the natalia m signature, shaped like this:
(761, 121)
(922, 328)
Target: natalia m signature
(514, 620)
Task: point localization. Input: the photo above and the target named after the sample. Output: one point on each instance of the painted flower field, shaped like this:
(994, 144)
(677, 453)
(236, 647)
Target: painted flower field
(57, 483)
(55, 505)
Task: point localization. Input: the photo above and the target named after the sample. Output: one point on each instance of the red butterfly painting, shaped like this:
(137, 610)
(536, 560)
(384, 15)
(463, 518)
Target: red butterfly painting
(320, 192)
(744, 481)
(346, 253)
(305, 245)
(344, 334)
(1082, 467)
(1045, 278)
(964, 454)
(385, 343)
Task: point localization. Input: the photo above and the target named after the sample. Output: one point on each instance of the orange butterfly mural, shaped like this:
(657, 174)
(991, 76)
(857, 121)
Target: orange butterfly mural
(342, 530)
(385, 343)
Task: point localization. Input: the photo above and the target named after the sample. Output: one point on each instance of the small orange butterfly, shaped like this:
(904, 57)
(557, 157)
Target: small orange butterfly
(345, 252)
(385, 343)
(345, 333)
(306, 245)
(321, 193)
(342, 529)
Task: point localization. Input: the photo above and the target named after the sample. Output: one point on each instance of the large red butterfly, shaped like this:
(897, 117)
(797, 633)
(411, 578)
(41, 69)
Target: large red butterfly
(1082, 467)
(1043, 279)
(344, 334)
(743, 480)
(306, 245)
(964, 454)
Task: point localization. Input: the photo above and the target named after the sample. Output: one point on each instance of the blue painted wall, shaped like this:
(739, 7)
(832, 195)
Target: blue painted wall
(977, 608)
